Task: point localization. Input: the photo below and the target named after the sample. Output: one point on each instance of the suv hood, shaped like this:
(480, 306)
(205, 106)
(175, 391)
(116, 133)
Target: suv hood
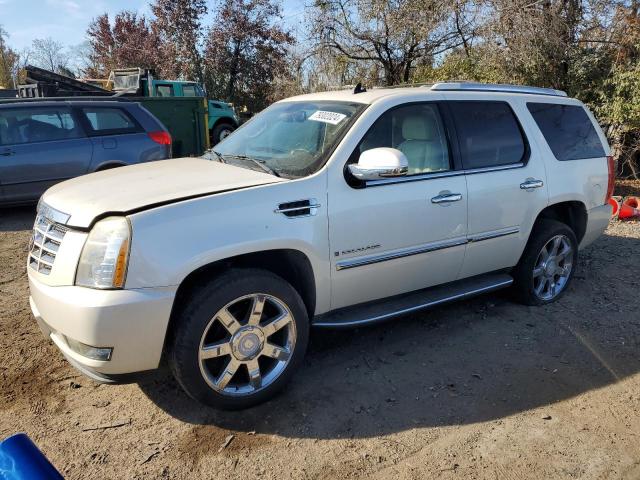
(126, 189)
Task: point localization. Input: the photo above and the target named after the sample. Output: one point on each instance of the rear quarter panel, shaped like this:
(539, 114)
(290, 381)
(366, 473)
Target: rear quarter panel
(583, 180)
(125, 149)
(130, 148)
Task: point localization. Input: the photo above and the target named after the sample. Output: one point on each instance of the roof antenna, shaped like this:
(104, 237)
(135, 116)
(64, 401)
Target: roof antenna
(359, 88)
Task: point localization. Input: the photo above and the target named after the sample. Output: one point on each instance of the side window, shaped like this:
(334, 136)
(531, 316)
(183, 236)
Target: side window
(488, 133)
(189, 91)
(417, 131)
(31, 125)
(109, 121)
(568, 130)
(164, 90)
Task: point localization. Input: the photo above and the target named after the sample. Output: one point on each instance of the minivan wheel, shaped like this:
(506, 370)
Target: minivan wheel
(239, 339)
(547, 264)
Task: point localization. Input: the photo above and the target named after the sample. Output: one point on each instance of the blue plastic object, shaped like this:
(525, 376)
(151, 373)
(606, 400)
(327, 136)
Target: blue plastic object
(20, 459)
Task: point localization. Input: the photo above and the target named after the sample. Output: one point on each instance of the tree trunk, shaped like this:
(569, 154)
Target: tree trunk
(233, 72)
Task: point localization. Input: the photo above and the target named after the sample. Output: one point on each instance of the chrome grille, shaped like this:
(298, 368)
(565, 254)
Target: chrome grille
(46, 240)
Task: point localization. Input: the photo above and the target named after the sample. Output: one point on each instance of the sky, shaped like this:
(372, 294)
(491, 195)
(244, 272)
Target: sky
(66, 20)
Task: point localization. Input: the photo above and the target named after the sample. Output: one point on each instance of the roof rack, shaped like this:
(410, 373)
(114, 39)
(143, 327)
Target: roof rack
(496, 87)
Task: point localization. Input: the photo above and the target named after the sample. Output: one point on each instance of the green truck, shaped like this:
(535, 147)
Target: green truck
(221, 118)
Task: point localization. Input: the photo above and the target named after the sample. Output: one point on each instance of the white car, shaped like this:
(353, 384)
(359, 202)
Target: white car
(334, 209)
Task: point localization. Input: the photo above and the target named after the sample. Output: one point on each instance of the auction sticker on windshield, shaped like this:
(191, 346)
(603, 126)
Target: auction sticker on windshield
(327, 117)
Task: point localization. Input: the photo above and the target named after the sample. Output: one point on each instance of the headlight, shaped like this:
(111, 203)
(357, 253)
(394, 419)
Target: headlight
(104, 259)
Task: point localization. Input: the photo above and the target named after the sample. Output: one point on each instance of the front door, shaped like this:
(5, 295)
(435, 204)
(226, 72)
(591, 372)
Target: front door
(400, 234)
(40, 146)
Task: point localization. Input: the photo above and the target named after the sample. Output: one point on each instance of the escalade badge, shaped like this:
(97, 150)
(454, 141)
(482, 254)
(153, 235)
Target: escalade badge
(356, 250)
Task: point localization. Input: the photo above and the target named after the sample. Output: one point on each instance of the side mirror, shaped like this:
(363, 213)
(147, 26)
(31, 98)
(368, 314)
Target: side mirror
(379, 163)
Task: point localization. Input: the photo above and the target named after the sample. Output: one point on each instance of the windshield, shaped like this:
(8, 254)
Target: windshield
(290, 139)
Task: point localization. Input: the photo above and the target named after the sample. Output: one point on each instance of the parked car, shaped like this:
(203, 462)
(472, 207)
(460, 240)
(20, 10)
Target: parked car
(331, 210)
(45, 142)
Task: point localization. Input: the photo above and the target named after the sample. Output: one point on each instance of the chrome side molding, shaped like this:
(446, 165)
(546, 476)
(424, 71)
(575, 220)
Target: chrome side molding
(430, 247)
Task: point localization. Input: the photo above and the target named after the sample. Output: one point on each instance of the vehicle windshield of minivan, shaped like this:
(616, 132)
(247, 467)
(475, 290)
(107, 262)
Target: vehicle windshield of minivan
(289, 139)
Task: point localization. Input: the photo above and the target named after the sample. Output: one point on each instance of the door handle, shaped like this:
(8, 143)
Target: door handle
(6, 153)
(530, 183)
(447, 198)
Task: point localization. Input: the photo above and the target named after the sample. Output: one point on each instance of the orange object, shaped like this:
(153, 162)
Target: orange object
(627, 212)
(616, 206)
(633, 202)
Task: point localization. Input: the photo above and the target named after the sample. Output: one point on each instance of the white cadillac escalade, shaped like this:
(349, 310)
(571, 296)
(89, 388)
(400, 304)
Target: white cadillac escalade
(335, 209)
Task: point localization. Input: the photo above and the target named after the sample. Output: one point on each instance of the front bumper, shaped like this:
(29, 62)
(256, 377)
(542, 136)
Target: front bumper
(132, 322)
(598, 219)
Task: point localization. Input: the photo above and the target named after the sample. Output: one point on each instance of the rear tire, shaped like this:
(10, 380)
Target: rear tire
(239, 339)
(547, 264)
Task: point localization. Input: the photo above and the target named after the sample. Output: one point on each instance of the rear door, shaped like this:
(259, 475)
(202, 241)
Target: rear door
(40, 146)
(506, 182)
(118, 138)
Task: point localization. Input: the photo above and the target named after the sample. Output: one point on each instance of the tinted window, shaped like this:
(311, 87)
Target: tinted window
(415, 130)
(488, 133)
(568, 130)
(109, 120)
(164, 90)
(44, 124)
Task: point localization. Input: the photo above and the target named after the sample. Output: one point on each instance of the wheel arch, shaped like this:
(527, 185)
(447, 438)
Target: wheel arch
(572, 213)
(221, 120)
(292, 265)
(108, 165)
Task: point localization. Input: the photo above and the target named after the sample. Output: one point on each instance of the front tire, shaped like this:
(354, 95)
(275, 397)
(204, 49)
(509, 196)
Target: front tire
(220, 132)
(547, 264)
(239, 339)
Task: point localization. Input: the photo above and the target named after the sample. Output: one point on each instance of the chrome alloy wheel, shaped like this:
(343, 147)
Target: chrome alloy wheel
(247, 344)
(553, 268)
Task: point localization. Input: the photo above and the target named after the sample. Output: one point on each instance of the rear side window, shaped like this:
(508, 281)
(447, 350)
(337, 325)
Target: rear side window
(488, 133)
(568, 130)
(106, 121)
(32, 125)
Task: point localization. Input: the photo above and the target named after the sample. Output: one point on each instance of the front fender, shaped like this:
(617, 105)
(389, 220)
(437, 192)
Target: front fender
(170, 242)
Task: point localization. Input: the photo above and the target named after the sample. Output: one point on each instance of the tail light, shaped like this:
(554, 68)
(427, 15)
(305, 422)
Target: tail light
(612, 178)
(161, 137)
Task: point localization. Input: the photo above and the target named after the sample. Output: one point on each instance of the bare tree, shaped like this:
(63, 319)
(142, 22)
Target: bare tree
(50, 54)
(394, 34)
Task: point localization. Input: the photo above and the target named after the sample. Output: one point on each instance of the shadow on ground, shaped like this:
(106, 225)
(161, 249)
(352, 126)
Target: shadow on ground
(17, 218)
(479, 360)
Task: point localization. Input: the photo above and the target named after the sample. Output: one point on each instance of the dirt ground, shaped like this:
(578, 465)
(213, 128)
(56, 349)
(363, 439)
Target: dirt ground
(484, 389)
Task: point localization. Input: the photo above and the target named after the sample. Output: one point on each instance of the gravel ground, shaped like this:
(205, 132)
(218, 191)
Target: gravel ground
(481, 389)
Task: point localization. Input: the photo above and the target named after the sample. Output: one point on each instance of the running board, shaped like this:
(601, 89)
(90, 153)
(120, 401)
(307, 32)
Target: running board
(381, 310)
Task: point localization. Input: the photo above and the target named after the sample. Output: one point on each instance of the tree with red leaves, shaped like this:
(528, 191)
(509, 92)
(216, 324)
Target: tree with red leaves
(245, 50)
(178, 22)
(131, 41)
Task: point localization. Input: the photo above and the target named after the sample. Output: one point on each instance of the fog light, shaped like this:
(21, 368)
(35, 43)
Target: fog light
(95, 353)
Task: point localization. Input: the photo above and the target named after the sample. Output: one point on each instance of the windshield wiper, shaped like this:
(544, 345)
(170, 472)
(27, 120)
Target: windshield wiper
(217, 154)
(259, 163)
